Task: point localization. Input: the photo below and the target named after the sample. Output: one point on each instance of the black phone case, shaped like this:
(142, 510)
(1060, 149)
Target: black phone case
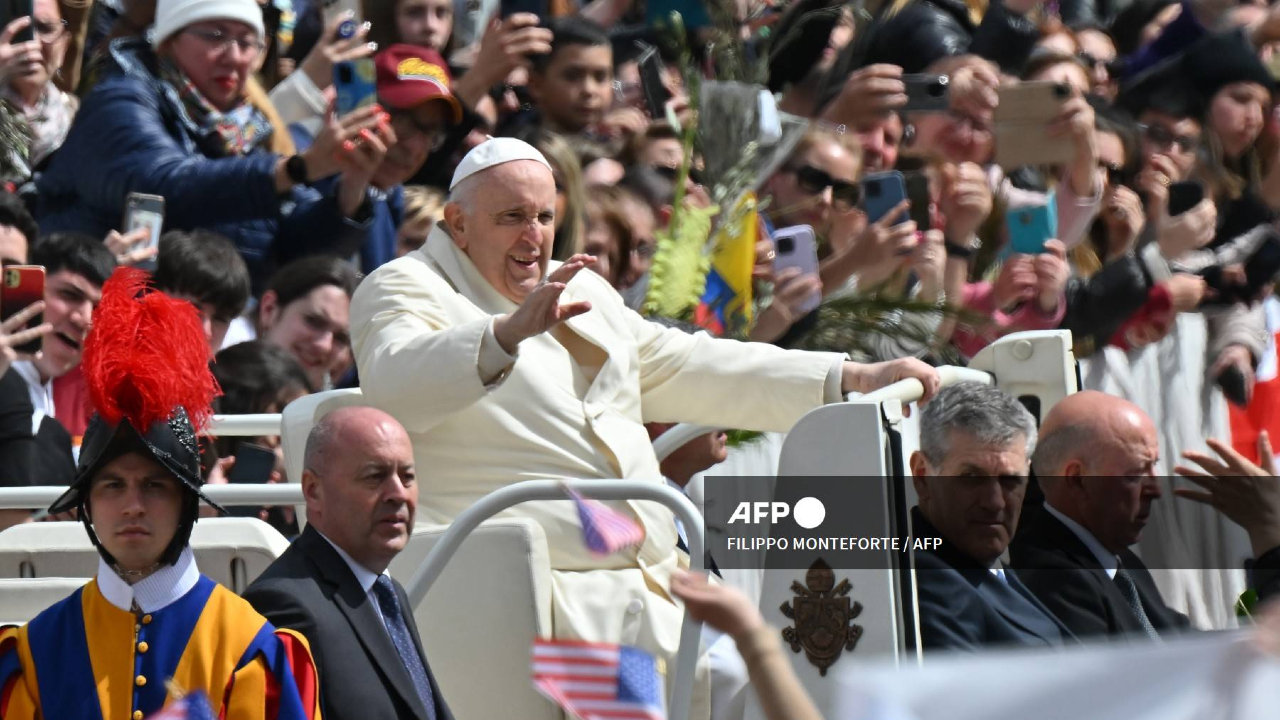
(1233, 385)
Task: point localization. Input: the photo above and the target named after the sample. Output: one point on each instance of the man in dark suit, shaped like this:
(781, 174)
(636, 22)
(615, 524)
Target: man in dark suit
(331, 584)
(971, 474)
(1096, 464)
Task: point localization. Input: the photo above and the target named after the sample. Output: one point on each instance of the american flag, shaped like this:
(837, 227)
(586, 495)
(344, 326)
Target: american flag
(598, 681)
(194, 706)
(604, 530)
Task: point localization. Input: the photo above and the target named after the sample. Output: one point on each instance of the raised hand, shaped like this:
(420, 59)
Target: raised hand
(132, 247)
(542, 310)
(11, 338)
(1051, 275)
(331, 50)
(1248, 494)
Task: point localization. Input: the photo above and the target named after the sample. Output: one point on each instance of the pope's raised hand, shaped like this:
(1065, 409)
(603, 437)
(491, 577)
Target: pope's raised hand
(542, 309)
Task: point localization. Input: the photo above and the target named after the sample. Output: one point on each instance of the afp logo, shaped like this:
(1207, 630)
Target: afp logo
(809, 512)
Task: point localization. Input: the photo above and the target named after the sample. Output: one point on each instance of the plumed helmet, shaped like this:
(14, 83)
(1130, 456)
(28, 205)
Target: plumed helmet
(146, 365)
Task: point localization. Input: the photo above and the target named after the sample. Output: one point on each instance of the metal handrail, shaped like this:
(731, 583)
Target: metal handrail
(911, 389)
(245, 425)
(42, 496)
(530, 490)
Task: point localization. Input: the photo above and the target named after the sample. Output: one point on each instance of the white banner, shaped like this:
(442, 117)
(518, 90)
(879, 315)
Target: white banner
(1213, 676)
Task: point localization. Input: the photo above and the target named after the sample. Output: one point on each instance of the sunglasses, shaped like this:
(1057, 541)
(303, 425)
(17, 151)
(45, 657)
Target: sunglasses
(1163, 138)
(670, 173)
(844, 195)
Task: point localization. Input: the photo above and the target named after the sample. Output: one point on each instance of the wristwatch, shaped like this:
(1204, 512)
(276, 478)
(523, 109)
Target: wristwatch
(296, 168)
(957, 250)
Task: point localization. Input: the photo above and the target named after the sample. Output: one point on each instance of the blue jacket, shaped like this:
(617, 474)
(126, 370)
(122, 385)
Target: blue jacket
(132, 134)
(379, 246)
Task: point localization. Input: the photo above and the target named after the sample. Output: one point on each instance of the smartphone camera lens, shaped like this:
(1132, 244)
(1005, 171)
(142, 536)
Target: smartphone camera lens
(873, 189)
(344, 73)
(1062, 91)
(939, 88)
(1025, 218)
(786, 245)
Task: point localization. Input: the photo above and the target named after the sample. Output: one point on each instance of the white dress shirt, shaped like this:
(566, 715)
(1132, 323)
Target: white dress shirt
(156, 591)
(364, 576)
(1108, 561)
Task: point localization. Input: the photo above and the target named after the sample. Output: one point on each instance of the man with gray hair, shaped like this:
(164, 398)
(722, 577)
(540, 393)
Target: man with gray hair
(971, 474)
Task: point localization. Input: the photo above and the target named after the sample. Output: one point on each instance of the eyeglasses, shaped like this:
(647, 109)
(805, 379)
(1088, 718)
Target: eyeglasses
(1162, 137)
(406, 125)
(249, 46)
(49, 31)
(844, 195)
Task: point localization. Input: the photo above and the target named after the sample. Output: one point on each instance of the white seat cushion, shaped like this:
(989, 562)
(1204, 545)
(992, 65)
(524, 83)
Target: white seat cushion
(231, 551)
(482, 614)
(21, 599)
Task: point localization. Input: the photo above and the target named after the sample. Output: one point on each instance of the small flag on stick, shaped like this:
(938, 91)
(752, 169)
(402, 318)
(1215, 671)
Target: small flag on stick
(598, 681)
(605, 530)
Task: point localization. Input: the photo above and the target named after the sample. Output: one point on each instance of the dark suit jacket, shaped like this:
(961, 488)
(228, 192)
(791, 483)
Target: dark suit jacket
(964, 606)
(26, 459)
(1067, 577)
(310, 589)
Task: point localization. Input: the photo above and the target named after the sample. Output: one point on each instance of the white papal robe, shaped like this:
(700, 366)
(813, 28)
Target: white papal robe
(571, 405)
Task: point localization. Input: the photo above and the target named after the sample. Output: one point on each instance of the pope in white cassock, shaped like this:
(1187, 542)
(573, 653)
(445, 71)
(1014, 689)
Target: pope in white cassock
(502, 372)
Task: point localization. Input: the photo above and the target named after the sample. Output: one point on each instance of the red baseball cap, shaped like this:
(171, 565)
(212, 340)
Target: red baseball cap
(410, 75)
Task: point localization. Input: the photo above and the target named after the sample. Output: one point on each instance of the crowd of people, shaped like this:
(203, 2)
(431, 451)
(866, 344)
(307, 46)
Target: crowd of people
(476, 245)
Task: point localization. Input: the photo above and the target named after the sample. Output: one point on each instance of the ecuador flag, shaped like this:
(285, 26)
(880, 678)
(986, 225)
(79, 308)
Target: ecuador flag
(726, 306)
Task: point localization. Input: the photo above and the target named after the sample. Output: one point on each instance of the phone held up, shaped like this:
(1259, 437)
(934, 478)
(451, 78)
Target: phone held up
(927, 93)
(1030, 227)
(145, 211)
(797, 247)
(15, 9)
(881, 193)
(23, 286)
(355, 82)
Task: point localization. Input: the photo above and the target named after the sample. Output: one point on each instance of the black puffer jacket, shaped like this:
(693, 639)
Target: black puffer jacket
(926, 31)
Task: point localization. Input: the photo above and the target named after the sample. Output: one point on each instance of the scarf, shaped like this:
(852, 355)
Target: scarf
(49, 120)
(235, 133)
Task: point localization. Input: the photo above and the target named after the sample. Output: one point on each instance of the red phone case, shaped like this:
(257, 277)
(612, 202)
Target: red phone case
(22, 285)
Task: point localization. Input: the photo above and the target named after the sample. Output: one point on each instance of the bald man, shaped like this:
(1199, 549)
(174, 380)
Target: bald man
(332, 584)
(1096, 465)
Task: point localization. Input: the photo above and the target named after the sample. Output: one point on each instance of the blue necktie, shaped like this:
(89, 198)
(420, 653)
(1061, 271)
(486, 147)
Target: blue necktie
(393, 619)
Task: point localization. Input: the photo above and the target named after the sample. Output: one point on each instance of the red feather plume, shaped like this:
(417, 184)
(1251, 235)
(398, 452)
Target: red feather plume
(147, 354)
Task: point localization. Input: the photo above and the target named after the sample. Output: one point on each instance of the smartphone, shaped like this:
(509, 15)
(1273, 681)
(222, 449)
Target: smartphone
(356, 84)
(334, 8)
(254, 464)
(21, 8)
(1183, 196)
(655, 93)
(1031, 226)
(797, 247)
(927, 93)
(921, 200)
(882, 192)
(1022, 125)
(145, 211)
(540, 8)
(23, 285)
(1233, 386)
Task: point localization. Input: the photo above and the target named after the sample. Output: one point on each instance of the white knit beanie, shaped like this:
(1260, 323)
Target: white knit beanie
(174, 15)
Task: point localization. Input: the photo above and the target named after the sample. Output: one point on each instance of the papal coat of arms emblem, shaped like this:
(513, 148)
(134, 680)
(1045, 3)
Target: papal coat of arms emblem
(823, 615)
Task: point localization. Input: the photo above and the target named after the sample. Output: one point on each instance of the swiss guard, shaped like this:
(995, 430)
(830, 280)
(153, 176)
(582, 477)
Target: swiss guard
(149, 626)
